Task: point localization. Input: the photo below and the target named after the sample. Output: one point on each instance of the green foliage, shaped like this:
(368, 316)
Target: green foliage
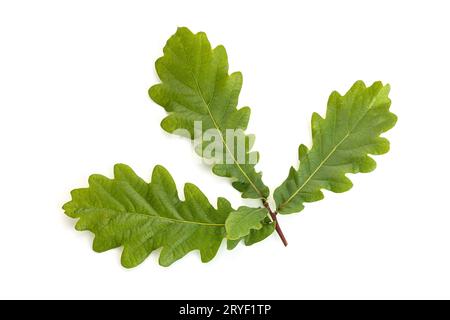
(142, 217)
(342, 143)
(255, 235)
(240, 222)
(195, 86)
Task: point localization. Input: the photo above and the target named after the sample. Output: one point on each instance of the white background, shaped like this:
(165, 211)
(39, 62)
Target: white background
(73, 98)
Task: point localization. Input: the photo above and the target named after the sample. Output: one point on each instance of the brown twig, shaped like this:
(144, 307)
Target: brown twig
(277, 225)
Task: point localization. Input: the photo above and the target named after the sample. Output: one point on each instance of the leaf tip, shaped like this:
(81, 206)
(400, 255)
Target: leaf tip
(96, 178)
(315, 121)
(121, 169)
(223, 204)
(159, 169)
(69, 209)
(359, 84)
(153, 92)
(165, 258)
(183, 30)
(238, 75)
(302, 152)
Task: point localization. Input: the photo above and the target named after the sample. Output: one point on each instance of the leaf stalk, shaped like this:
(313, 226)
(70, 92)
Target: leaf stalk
(273, 215)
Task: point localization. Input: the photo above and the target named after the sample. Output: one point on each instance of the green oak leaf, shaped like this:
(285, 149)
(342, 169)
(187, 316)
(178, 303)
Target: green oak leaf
(142, 217)
(254, 235)
(342, 143)
(201, 99)
(240, 222)
(196, 87)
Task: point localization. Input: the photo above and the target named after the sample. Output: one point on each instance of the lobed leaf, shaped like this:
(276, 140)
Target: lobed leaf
(196, 87)
(240, 222)
(254, 235)
(342, 143)
(142, 217)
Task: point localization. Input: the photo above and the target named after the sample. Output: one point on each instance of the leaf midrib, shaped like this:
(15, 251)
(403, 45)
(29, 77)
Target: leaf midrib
(155, 217)
(200, 93)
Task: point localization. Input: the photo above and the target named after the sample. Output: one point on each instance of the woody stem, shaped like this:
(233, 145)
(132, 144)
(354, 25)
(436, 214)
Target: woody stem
(273, 215)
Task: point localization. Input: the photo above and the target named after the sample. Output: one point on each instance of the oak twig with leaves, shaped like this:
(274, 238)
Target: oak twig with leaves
(197, 88)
